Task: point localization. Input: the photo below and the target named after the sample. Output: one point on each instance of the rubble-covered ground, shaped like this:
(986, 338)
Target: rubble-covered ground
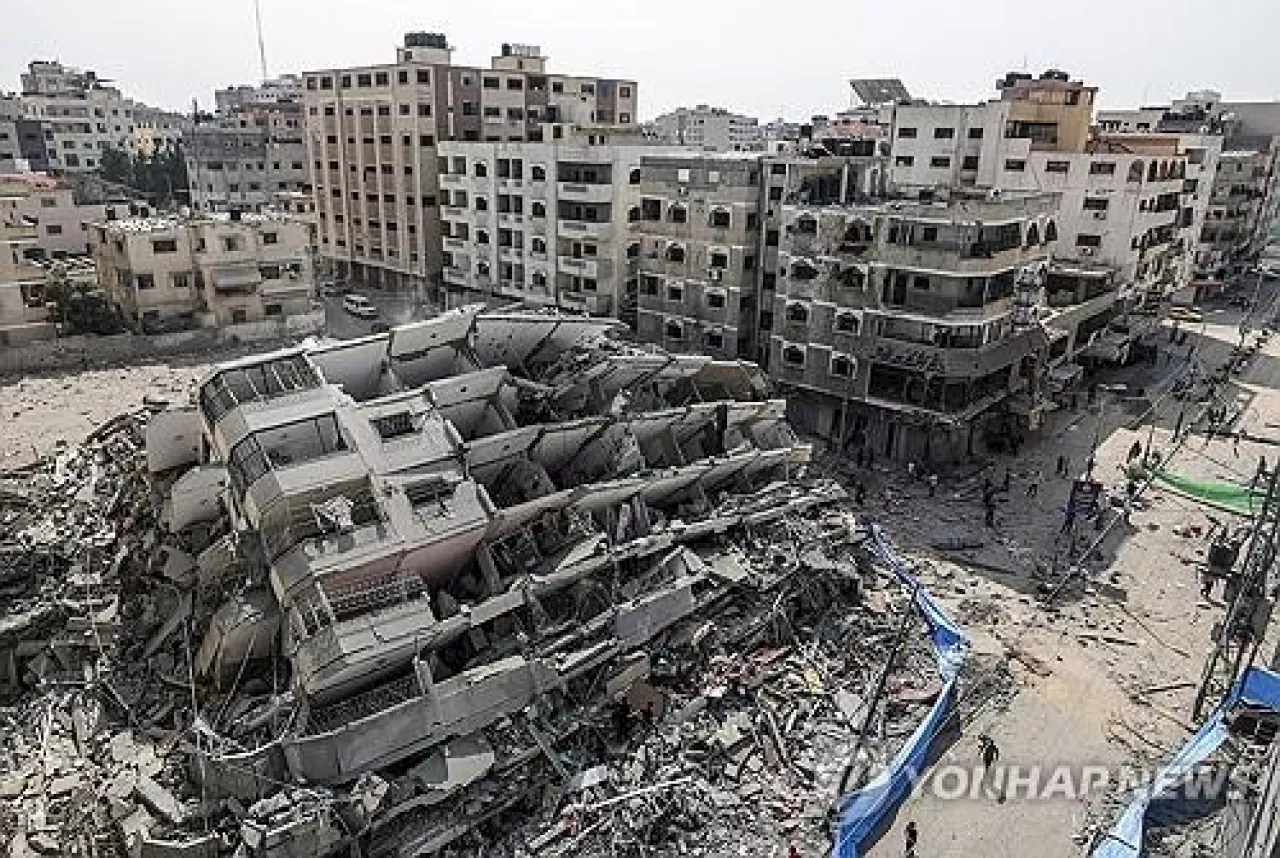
(40, 412)
(737, 742)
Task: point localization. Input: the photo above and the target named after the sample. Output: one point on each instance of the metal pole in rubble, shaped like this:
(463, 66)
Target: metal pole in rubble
(882, 680)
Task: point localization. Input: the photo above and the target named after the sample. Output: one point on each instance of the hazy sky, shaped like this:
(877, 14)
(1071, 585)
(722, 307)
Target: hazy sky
(792, 57)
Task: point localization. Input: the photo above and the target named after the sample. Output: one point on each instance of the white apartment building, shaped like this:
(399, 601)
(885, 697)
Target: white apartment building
(48, 206)
(372, 133)
(248, 159)
(166, 273)
(714, 129)
(545, 223)
(77, 117)
(1126, 203)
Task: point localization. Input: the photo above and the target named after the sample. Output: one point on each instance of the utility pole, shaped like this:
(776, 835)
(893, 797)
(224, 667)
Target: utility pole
(262, 46)
(1240, 626)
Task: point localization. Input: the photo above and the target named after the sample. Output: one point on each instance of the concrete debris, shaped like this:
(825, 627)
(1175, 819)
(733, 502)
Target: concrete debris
(490, 583)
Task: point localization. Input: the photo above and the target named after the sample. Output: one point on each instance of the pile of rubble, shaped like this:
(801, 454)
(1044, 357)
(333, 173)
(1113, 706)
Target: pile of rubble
(658, 637)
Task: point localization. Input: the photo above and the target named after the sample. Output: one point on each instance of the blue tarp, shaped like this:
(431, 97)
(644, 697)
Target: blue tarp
(1258, 688)
(864, 810)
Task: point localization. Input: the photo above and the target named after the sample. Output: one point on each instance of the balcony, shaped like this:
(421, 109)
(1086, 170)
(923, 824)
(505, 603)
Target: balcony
(455, 243)
(452, 178)
(510, 184)
(452, 211)
(583, 267)
(960, 261)
(455, 277)
(585, 302)
(586, 193)
(957, 362)
(587, 229)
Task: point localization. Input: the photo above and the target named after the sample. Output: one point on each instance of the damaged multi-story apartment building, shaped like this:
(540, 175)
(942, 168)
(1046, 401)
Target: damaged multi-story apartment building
(466, 527)
(911, 326)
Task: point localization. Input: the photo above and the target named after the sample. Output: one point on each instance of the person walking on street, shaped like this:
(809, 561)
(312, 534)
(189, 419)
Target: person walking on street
(1008, 479)
(912, 835)
(990, 755)
(932, 480)
(1033, 487)
(1062, 466)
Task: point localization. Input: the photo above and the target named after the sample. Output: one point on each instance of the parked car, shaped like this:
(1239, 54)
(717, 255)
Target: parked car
(359, 305)
(1186, 314)
(330, 289)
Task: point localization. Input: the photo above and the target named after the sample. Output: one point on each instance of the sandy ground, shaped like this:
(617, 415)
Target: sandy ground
(1083, 701)
(38, 413)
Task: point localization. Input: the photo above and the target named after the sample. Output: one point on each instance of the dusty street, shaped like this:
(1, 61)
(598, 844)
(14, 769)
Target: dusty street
(1107, 675)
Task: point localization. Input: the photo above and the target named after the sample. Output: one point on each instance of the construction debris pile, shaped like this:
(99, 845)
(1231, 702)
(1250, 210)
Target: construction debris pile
(487, 584)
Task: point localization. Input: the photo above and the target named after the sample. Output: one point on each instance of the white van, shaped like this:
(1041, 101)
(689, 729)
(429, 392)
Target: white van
(358, 305)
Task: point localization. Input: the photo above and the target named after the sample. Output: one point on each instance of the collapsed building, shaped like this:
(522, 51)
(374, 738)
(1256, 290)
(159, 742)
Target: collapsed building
(356, 595)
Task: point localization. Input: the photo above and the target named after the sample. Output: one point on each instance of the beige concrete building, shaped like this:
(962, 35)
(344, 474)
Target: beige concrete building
(172, 273)
(372, 134)
(75, 117)
(48, 205)
(545, 223)
(914, 330)
(23, 316)
(247, 159)
(698, 235)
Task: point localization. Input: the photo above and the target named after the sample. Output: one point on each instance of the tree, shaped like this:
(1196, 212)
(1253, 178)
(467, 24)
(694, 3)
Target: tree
(79, 308)
(161, 176)
(116, 167)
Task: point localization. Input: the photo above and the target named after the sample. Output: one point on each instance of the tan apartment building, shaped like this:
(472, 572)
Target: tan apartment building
(23, 315)
(914, 330)
(698, 233)
(372, 135)
(168, 273)
(543, 223)
(249, 160)
(49, 206)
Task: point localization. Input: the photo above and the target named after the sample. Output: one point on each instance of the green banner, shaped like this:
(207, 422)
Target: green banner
(1232, 496)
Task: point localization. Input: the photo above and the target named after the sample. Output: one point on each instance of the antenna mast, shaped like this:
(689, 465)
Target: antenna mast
(262, 47)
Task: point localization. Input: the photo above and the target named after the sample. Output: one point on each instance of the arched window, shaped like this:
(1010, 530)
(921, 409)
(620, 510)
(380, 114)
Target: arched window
(1135, 172)
(847, 323)
(857, 232)
(1033, 236)
(1050, 232)
(803, 270)
(852, 277)
(633, 214)
(674, 331)
(719, 218)
(675, 253)
(798, 313)
(1153, 171)
(538, 209)
(793, 355)
(678, 214)
(807, 225)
